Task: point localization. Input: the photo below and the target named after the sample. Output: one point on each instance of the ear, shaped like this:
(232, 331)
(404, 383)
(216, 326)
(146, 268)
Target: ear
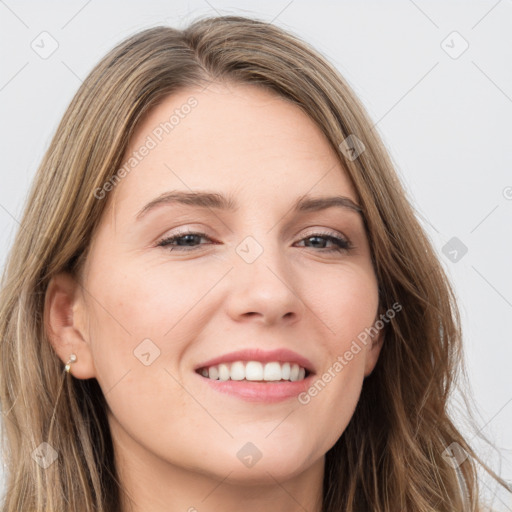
(64, 320)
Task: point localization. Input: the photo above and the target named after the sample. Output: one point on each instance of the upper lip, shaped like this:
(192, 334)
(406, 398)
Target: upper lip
(281, 355)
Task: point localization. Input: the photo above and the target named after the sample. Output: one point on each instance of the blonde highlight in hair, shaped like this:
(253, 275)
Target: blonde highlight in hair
(390, 457)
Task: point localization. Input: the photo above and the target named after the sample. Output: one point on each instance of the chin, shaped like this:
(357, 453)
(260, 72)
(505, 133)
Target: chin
(252, 466)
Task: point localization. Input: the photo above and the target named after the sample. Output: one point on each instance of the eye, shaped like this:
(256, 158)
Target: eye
(190, 240)
(182, 241)
(340, 244)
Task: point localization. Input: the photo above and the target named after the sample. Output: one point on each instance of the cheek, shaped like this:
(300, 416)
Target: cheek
(144, 317)
(139, 329)
(148, 302)
(348, 305)
(345, 299)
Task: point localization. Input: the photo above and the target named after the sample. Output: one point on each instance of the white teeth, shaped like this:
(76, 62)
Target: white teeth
(272, 371)
(255, 371)
(294, 372)
(223, 372)
(213, 372)
(285, 371)
(237, 371)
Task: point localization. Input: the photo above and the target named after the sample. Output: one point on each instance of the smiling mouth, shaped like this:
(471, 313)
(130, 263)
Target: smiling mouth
(255, 371)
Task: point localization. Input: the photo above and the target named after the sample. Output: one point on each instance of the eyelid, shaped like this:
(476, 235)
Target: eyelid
(198, 231)
(317, 230)
(192, 229)
(324, 231)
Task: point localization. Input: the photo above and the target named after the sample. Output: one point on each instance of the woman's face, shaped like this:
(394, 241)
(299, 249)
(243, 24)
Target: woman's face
(284, 283)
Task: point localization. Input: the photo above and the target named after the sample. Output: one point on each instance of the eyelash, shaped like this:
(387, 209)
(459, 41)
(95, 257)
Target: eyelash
(342, 245)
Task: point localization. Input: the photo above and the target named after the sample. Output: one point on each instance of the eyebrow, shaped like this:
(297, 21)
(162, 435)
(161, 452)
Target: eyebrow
(213, 200)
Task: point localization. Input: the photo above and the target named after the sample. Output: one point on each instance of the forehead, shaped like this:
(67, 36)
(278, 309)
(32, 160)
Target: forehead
(243, 140)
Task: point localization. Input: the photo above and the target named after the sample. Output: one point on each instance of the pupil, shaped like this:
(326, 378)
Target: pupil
(185, 239)
(317, 239)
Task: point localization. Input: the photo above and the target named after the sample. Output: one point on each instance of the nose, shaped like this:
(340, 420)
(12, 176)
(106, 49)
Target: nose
(263, 290)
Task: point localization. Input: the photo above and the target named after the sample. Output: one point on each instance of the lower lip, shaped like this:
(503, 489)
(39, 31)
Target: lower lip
(260, 391)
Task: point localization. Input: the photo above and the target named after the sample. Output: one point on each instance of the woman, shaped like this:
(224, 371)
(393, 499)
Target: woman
(220, 296)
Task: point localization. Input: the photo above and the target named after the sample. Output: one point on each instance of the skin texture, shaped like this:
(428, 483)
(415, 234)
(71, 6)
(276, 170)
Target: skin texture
(176, 439)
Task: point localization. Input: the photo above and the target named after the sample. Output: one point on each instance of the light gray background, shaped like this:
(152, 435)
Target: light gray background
(444, 117)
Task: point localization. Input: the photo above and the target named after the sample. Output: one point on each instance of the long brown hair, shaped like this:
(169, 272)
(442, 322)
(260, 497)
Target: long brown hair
(392, 454)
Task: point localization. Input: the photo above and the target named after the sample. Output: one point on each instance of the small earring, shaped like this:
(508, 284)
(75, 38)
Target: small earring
(72, 359)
